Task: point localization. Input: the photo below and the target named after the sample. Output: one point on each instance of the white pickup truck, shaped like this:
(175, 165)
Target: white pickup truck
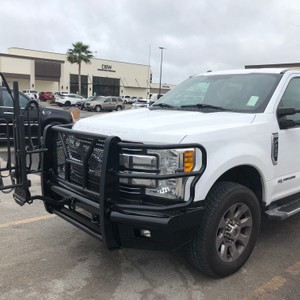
(195, 170)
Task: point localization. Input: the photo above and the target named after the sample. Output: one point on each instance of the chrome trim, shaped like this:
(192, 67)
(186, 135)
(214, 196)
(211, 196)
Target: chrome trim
(274, 148)
(138, 162)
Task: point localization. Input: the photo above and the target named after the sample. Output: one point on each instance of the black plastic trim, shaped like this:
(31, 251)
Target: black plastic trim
(79, 224)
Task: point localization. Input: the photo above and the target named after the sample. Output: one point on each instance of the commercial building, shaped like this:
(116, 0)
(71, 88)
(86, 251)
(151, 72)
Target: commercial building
(47, 71)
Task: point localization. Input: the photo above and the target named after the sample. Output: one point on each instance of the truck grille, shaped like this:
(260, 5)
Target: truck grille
(79, 160)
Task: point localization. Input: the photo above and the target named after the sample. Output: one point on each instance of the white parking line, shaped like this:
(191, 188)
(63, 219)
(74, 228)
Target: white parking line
(25, 221)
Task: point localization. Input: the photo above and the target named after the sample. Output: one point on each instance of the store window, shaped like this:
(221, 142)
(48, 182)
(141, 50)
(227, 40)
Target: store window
(105, 86)
(74, 86)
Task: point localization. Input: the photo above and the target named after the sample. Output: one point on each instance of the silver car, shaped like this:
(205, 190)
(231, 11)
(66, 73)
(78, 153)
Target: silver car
(104, 103)
(141, 103)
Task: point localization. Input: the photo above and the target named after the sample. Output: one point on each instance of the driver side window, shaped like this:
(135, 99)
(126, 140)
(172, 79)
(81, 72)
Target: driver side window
(8, 102)
(291, 97)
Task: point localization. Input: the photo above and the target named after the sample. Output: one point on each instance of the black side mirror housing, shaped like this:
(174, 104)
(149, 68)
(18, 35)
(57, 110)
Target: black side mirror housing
(285, 124)
(287, 111)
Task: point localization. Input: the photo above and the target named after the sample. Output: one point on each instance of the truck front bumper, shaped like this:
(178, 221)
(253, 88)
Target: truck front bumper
(81, 172)
(129, 228)
(161, 232)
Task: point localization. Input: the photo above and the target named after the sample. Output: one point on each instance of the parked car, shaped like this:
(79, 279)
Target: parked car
(127, 99)
(80, 103)
(67, 99)
(104, 103)
(133, 100)
(32, 94)
(155, 97)
(142, 103)
(195, 170)
(48, 115)
(44, 96)
(60, 93)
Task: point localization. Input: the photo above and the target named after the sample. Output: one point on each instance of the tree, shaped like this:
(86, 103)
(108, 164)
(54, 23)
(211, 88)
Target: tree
(78, 54)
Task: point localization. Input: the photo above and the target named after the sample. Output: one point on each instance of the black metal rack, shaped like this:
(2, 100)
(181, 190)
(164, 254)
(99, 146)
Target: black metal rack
(19, 162)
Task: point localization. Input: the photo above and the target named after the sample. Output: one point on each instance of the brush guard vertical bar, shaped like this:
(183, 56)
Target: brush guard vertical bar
(14, 175)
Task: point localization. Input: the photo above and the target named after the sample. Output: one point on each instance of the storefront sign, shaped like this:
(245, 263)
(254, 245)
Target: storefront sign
(106, 68)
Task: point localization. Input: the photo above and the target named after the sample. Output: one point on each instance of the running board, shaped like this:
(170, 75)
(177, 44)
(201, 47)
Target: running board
(285, 211)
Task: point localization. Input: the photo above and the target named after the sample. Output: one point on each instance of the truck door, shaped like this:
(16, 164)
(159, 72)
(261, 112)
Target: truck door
(19, 117)
(288, 166)
(7, 112)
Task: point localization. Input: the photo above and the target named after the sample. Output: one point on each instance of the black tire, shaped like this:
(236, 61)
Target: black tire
(98, 108)
(67, 103)
(228, 230)
(118, 108)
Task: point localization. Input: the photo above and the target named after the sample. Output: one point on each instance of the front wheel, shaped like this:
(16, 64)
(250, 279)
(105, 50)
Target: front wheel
(98, 108)
(228, 230)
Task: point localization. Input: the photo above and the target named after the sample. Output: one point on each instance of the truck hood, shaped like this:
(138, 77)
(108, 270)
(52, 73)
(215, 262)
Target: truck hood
(161, 126)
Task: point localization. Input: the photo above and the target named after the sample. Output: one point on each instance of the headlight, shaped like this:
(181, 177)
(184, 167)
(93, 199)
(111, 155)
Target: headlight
(162, 163)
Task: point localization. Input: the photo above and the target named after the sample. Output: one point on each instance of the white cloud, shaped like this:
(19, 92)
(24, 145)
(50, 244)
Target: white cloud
(198, 34)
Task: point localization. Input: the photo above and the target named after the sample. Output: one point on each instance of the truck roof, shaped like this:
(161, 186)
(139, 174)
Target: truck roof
(249, 71)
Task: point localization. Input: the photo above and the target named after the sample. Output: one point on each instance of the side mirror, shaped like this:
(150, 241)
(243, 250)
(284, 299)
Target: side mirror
(287, 111)
(285, 124)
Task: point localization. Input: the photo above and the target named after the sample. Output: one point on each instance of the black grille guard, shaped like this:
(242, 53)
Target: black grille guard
(110, 169)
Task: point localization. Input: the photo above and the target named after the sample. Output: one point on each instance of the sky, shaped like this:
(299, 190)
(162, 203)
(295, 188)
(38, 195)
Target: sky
(198, 35)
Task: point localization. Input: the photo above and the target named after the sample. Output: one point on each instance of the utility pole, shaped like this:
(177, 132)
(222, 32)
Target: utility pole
(160, 76)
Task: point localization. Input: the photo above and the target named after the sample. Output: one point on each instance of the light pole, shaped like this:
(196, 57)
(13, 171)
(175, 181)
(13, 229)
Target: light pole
(160, 75)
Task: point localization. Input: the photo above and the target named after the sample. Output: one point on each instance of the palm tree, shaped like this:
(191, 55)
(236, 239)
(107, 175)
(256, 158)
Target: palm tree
(78, 54)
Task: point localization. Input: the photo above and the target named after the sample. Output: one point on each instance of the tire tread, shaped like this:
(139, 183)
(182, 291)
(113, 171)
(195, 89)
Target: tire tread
(197, 252)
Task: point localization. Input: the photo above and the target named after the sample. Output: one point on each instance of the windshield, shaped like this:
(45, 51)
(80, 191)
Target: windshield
(233, 92)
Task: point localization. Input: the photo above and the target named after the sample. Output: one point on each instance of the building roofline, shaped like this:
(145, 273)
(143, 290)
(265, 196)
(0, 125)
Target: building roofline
(110, 60)
(31, 57)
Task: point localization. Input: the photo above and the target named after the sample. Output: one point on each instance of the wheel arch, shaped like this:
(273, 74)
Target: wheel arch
(245, 175)
(96, 107)
(54, 121)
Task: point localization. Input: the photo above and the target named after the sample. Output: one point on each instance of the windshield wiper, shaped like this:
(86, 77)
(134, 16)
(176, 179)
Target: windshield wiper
(163, 105)
(202, 105)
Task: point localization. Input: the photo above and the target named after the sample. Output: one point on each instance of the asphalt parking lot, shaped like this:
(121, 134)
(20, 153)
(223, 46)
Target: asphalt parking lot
(43, 257)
